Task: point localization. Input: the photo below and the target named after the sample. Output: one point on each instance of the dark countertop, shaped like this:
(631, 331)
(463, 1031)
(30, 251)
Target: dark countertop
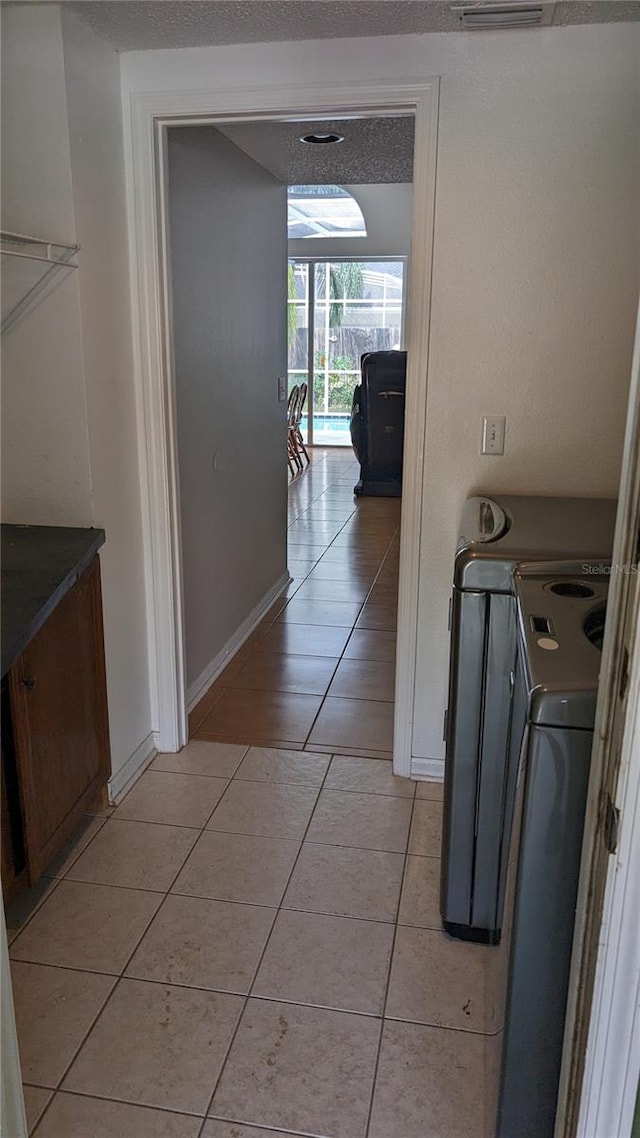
(39, 565)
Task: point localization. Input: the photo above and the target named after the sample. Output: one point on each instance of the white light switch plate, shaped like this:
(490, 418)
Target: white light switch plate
(282, 388)
(493, 434)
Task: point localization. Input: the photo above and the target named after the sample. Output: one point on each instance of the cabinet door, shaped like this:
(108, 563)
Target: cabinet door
(58, 694)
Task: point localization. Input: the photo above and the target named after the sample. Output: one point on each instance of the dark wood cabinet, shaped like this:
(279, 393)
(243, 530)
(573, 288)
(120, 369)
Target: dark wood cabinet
(55, 732)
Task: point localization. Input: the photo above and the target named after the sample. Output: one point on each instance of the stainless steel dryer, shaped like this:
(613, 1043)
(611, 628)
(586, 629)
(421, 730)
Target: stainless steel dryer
(496, 535)
(561, 622)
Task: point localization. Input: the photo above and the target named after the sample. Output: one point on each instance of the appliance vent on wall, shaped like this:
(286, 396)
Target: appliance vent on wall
(483, 16)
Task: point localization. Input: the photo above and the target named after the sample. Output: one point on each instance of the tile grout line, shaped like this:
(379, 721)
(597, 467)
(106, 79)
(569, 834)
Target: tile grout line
(388, 983)
(353, 627)
(57, 881)
(119, 977)
(83, 1040)
(12, 935)
(262, 954)
(105, 1098)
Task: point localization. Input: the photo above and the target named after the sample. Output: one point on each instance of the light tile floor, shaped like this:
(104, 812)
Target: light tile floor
(249, 946)
(319, 672)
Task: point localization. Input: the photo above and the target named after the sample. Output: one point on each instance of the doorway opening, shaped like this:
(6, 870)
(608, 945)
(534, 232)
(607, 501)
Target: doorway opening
(297, 599)
(147, 141)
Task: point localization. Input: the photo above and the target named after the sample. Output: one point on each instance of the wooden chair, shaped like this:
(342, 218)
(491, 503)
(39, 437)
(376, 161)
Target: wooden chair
(294, 461)
(298, 439)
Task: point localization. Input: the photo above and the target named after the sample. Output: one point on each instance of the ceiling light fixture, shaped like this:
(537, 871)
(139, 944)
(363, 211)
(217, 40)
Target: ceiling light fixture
(322, 139)
(492, 16)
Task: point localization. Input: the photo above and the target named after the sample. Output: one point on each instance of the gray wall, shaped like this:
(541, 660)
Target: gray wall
(228, 250)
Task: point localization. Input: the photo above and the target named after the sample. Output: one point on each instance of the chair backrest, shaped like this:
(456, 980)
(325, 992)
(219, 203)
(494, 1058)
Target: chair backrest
(292, 405)
(302, 395)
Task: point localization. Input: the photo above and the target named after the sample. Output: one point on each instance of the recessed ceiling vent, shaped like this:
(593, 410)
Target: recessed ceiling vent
(483, 16)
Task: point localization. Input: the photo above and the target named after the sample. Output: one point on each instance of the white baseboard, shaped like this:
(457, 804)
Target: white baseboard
(432, 769)
(123, 779)
(197, 689)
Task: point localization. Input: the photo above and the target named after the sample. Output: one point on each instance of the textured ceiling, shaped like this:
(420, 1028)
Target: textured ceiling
(145, 24)
(374, 150)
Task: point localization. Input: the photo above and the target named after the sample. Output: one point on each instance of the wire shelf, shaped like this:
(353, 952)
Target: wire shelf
(34, 262)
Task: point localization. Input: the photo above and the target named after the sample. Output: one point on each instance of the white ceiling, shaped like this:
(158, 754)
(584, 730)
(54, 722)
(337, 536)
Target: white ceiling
(146, 24)
(374, 150)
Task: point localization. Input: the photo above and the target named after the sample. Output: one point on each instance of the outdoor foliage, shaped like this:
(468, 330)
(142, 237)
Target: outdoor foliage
(346, 282)
(346, 343)
(340, 385)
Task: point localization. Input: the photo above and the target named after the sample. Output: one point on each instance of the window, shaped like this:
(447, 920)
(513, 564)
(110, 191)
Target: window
(323, 211)
(344, 309)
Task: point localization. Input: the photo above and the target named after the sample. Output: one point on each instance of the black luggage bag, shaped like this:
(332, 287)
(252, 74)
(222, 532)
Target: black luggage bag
(377, 423)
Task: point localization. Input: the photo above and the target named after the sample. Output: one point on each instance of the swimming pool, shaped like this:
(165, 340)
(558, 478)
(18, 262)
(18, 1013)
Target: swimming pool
(334, 421)
(329, 430)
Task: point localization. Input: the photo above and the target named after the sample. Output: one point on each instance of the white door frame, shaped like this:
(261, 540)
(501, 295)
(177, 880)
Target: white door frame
(612, 1067)
(146, 117)
(601, 1065)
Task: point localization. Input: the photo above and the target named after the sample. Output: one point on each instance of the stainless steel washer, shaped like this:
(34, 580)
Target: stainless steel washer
(561, 622)
(496, 535)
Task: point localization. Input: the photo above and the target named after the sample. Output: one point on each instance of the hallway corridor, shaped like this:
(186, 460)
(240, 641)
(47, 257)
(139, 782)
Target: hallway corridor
(249, 945)
(319, 672)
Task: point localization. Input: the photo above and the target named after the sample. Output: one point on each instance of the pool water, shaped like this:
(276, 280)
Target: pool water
(329, 430)
(330, 422)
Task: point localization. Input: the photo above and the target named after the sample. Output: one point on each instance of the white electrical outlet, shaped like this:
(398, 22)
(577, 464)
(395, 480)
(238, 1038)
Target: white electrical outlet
(493, 434)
